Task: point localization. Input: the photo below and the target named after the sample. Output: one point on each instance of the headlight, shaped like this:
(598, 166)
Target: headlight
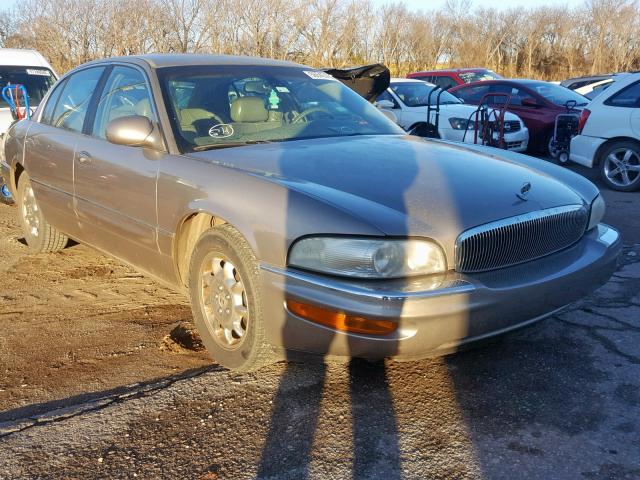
(368, 258)
(597, 212)
(461, 123)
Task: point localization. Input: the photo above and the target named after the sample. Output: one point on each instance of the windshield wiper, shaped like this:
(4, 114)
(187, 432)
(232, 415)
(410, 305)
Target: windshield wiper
(214, 146)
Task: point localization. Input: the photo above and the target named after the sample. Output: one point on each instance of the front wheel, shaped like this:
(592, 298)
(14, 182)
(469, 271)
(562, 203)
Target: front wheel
(226, 300)
(39, 235)
(620, 166)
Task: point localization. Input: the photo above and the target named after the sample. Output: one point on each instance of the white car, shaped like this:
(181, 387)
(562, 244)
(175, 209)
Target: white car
(408, 100)
(609, 134)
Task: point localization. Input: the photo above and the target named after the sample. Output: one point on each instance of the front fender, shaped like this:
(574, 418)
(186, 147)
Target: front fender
(268, 214)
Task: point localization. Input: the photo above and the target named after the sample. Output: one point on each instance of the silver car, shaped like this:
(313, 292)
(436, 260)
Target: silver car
(297, 217)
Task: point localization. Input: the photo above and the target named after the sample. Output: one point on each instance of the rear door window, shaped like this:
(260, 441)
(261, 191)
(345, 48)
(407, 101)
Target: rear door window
(51, 104)
(72, 106)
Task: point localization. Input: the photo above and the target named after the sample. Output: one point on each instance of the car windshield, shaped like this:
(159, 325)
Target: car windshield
(558, 95)
(232, 105)
(416, 94)
(36, 80)
(479, 76)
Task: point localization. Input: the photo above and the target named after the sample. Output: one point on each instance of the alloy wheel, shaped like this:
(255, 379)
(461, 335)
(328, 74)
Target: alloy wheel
(622, 166)
(224, 301)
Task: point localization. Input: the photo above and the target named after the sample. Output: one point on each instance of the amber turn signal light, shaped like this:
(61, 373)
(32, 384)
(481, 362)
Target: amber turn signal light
(340, 320)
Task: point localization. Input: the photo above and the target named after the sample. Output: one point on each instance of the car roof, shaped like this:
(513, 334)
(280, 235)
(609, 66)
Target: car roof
(20, 57)
(161, 60)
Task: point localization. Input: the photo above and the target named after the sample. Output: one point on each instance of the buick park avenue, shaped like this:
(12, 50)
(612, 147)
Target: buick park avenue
(295, 215)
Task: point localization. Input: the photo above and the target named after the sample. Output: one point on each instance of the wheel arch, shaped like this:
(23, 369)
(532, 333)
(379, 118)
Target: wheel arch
(188, 231)
(599, 152)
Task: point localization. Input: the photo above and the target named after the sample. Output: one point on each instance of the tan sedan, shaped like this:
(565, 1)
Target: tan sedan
(297, 216)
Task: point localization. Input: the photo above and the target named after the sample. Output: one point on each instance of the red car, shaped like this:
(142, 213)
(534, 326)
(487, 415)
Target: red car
(536, 102)
(458, 76)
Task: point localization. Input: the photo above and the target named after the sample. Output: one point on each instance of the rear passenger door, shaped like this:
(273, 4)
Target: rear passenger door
(115, 185)
(50, 146)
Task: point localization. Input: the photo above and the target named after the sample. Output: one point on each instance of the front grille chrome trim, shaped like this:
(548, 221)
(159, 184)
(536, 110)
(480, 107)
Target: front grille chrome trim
(519, 239)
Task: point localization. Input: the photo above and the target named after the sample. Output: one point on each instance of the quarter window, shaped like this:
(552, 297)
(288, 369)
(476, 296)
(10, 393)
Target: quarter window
(72, 106)
(126, 93)
(628, 97)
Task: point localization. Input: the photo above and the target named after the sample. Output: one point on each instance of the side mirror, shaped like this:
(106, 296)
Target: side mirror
(382, 104)
(134, 131)
(530, 102)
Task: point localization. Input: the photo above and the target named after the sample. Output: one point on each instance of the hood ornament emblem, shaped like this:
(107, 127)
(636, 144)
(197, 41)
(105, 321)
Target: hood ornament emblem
(524, 191)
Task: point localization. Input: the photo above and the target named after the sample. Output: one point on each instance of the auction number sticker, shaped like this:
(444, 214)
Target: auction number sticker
(222, 130)
(42, 73)
(317, 75)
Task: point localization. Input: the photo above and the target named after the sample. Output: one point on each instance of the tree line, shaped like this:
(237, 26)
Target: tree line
(548, 42)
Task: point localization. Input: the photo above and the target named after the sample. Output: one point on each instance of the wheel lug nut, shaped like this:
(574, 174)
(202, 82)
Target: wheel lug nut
(228, 311)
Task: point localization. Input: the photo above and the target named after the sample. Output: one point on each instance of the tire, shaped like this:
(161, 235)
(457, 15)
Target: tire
(620, 166)
(40, 236)
(551, 149)
(228, 317)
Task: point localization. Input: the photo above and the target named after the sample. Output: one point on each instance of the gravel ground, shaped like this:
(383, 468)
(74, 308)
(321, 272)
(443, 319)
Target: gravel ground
(89, 389)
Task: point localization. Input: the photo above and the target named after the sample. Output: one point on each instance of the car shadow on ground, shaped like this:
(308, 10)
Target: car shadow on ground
(66, 406)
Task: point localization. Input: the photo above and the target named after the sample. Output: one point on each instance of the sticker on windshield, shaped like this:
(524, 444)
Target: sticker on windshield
(282, 89)
(222, 130)
(42, 73)
(317, 75)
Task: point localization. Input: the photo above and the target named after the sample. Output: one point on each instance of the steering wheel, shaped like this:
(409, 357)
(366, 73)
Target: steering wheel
(304, 114)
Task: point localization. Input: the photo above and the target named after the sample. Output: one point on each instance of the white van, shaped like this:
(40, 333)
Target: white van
(28, 68)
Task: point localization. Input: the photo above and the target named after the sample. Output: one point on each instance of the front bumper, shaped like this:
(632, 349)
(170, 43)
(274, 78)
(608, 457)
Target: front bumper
(437, 314)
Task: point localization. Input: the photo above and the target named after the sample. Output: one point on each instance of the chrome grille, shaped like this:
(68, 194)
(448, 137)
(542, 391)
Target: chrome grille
(519, 239)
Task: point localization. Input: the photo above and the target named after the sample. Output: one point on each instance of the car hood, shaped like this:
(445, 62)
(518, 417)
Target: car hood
(402, 185)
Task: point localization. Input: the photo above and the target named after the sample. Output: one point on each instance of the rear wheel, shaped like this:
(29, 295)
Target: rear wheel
(620, 166)
(226, 300)
(39, 235)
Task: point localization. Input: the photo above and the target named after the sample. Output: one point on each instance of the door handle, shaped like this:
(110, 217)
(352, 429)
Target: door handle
(84, 158)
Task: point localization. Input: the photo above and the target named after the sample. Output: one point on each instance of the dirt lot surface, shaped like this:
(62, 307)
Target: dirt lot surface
(89, 389)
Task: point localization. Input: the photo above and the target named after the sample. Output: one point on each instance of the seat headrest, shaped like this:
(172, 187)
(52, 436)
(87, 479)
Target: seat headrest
(249, 110)
(143, 108)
